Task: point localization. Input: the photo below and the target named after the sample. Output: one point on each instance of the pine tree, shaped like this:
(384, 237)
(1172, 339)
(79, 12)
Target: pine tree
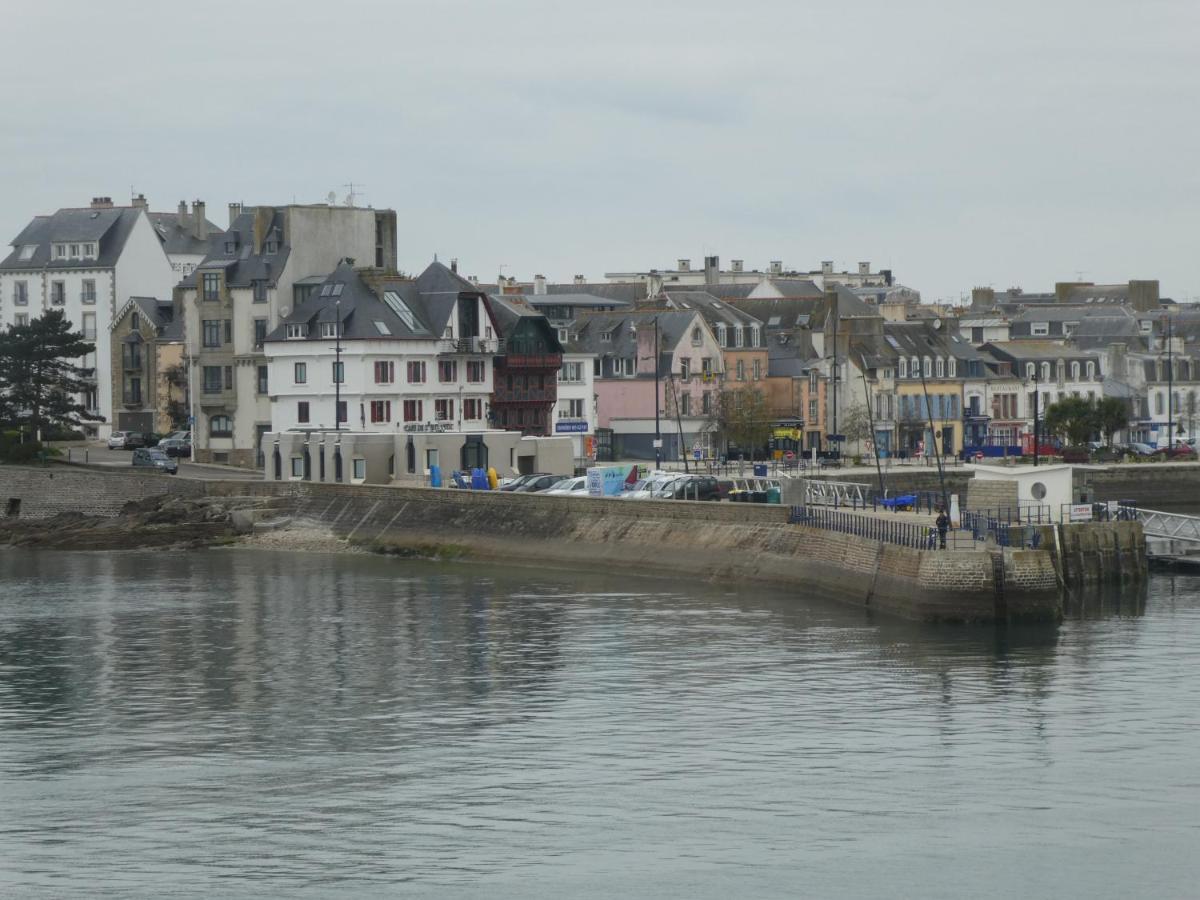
(40, 381)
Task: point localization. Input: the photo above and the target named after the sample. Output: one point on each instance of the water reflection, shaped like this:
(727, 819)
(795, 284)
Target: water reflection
(258, 722)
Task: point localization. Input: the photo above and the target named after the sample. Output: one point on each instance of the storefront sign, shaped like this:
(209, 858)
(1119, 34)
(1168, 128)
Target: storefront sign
(571, 427)
(428, 427)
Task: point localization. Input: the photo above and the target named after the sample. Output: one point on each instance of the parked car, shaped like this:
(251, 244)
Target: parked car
(116, 440)
(1138, 449)
(646, 487)
(153, 458)
(174, 447)
(690, 487)
(540, 483)
(1179, 451)
(133, 440)
(576, 486)
(514, 483)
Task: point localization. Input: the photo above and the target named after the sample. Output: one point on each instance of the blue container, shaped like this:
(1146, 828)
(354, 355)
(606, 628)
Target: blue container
(479, 480)
(760, 470)
(435, 476)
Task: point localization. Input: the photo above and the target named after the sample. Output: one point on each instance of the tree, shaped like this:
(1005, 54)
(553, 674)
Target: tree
(742, 417)
(1073, 418)
(1110, 415)
(856, 425)
(176, 378)
(39, 378)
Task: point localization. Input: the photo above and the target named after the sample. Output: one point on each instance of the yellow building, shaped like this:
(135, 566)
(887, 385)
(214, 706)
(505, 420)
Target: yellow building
(939, 399)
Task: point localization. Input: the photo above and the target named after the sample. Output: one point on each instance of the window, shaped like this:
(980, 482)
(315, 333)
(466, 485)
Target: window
(382, 328)
(447, 371)
(697, 337)
(21, 320)
(413, 411)
(329, 329)
(416, 372)
(928, 367)
(228, 372)
(685, 404)
(230, 247)
(1091, 371)
(757, 369)
(720, 329)
(1158, 404)
(385, 372)
(623, 366)
(21, 293)
(302, 412)
(212, 379)
(737, 337)
(297, 332)
(706, 367)
(272, 246)
(741, 370)
(211, 332)
(1045, 371)
(812, 411)
(476, 373)
(229, 331)
(300, 373)
(60, 251)
(133, 390)
(87, 293)
(755, 336)
(575, 409)
(472, 409)
(903, 367)
(212, 285)
(132, 354)
(58, 293)
(1075, 370)
(685, 368)
(381, 411)
(443, 410)
(89, 249)
(341, 411)
(260, 291)
(606, 337)
(596, 367)
(89, 326)
(297, 466)
(74, 251)
(360, 468)
(952, 367)
(27, 251)
(260, 333)
(706, 402)
(1039, 329)
(262, 379)
(941, 367)
(220, 426)
(400, 308)
(339, 372)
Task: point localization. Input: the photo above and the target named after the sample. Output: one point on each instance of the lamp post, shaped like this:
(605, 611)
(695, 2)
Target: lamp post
(337, 365)
(1037, 439)
(1170, 385)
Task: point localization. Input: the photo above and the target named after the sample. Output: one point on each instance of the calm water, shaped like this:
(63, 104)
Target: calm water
(254, 723)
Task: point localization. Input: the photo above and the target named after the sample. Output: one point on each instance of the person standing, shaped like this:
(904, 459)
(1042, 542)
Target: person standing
(942, 524)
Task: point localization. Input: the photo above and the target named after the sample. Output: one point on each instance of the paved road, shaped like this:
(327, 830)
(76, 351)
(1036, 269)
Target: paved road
(99, 455)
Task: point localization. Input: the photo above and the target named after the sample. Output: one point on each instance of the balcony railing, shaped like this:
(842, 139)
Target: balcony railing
(533, 360)
(469, 345)
(524, 395)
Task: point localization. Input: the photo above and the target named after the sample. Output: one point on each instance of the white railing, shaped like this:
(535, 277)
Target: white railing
(835, 493)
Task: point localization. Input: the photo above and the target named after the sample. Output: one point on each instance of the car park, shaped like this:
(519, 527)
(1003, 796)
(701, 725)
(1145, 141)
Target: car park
(153, 458)
(576, 486)
(116, 440)
(1138, 449)
(1178, 452)
(539, 483)
(646, 487)
(173, 446)
(690, 487)
(514, 484)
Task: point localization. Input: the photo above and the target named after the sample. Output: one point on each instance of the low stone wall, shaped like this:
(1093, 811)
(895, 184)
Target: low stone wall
(1151, 485)
(41, 492)
(1102, 553)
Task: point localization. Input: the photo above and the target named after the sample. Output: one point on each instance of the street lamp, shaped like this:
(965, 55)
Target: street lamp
(1036, 418)
(657, 426)
(337, 365)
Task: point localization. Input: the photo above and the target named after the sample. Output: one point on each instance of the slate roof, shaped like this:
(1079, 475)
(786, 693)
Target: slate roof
(721, 291)
(233, 251)
(711, 308)
(1036, 350)
(672, 326)
(109, 228)
(786, 313)
(180, 240)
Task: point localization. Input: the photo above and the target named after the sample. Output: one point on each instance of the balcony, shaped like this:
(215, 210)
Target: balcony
(525, 395)
(473, 345)
(533, 361)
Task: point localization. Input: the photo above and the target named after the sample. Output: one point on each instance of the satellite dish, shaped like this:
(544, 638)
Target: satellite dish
(331, 198)
(937, 323)
(285, 311)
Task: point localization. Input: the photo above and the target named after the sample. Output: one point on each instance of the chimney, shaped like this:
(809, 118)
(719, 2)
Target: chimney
(776, 267)
(827, 267)
(199, 221)
(887, 276)
(539, 285)
(579, 279)
(474, 279)
(235, 210)
(685, 265)
(182, 215)
(102, 203)
(712, 269)
(139, 202)
(454, 265)
(737, 264)
(864, 268)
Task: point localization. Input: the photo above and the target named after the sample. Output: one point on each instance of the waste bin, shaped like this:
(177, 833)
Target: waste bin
(774, 495)
(760, 470)
(435, 476)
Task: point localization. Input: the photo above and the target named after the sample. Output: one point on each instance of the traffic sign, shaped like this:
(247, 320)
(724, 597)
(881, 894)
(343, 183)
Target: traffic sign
(789, 456)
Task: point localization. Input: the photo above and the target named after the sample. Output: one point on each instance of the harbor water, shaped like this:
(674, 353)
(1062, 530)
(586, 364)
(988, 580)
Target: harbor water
(258, 723)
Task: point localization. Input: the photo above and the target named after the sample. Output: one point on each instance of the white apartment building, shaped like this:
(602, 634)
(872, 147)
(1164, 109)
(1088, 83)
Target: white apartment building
(415, 355)
(266, 265)
(575, 409)
(87, 262)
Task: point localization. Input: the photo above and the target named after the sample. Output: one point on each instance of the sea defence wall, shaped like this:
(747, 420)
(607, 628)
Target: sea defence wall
(1150, 485)
(736, 544)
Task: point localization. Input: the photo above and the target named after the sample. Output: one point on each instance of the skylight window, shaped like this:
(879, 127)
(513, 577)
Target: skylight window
(28, 250)
(337, 289)
(400, 308)
(773, 321)
(382, 328)
(325, 289)
(891, 340)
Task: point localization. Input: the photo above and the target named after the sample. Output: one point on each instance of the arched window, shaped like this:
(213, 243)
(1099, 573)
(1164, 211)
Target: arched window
(1030, 370)
(696, 341)
(952, 367)
(941, 367)
(1091, 370)
(915, 368)
(903, 367)
(1045, 371)
(1061, 370)
(1075, 370)
(220, 426)
(928, 367)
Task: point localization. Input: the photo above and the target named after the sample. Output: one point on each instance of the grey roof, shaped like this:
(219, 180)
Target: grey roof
(671, 328)
(712, 309)
(159, 313)
(582, 300)
(790, 354)
(177, 239)
(233, 251)
(1036, 350)
(109, 228)
(786, 313)
(1070, 313)
(721, 291)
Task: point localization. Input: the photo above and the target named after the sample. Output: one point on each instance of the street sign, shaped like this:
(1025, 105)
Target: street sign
(658, 443)
(697, 454)
(789, 456)
(837, 438)
(568, 426)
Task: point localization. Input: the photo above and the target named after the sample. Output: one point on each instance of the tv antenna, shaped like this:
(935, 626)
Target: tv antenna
(350, 197)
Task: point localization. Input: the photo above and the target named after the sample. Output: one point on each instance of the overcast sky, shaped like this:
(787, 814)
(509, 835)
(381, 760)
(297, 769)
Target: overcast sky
(958, 143)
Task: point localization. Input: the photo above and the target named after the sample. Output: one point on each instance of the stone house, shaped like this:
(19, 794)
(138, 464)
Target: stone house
(148, 376)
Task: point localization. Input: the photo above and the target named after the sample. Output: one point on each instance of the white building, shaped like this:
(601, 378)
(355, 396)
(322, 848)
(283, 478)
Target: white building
(575, 409)
(88, 262)
(415, 355)
(268, 263)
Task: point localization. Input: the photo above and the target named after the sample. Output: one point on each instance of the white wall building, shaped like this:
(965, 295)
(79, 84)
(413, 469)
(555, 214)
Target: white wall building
(575, 409)
(416, 356)
(86, 262)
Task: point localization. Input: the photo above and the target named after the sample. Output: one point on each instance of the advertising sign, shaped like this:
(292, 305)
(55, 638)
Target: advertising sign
(571, 427)
(1081, 512)
(610, 481)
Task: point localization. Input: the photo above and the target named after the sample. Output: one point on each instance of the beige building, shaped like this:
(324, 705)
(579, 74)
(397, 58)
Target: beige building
(148, 376)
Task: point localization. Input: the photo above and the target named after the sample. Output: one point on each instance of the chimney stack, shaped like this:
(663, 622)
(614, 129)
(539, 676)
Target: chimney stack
(102, 203)
(827, 267)
(182, 215)
(579, 279)
(454, 265)
(776, 267)
(685, 265)
(712, 269)
(200, 221)
(235, 210)
(864, 268)
(539, 285)
(737, 265)
(139, 202)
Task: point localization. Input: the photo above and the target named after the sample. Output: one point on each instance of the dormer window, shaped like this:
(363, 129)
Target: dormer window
(89, 250)
(606, 337)
(952, 369)
(231, 247)
(329, 329)
(27, 251)
(74, 251)
(272, 246)
(296, 332)
(60, 251)
(721, 333)
(941, 367)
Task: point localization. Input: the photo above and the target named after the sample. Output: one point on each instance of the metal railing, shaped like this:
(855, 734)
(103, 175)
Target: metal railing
(902, 533)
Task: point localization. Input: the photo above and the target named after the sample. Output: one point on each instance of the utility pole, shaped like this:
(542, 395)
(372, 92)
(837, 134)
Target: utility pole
(835, 374)
(1170, 386)
(1037, 438)
(657, 377)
